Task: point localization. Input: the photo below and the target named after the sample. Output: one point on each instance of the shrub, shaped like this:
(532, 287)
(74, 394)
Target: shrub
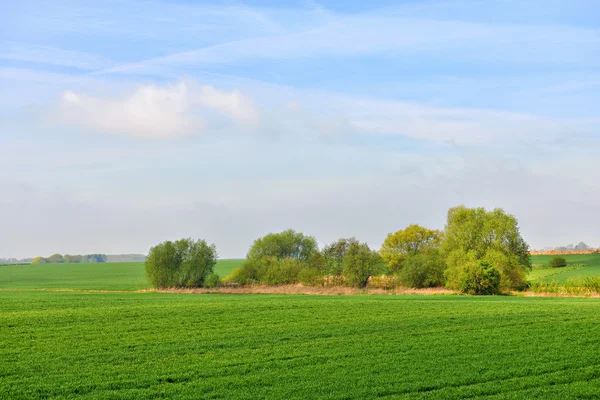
(213, 280)
(422, 270)
(311, 277)
(480, 278)
(558, 262)
(183, 263)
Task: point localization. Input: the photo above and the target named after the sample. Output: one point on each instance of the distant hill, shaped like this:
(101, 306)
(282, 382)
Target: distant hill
(126, 258)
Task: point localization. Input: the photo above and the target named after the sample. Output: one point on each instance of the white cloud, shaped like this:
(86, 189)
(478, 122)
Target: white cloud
(153, 111)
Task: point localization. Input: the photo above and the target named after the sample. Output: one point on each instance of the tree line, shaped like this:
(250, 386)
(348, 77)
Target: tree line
(478, 252)
(68, 258)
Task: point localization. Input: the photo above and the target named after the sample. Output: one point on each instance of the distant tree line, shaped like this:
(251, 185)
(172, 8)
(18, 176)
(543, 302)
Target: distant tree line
(68, 258)
(478, 252)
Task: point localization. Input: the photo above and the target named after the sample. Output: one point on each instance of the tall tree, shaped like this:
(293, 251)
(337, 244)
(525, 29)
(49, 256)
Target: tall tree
(360, 263)
(475, 235)
(406, 242)
(285, 244)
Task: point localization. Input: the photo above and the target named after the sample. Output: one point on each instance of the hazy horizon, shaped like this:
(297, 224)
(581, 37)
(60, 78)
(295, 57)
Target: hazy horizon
(124, 124)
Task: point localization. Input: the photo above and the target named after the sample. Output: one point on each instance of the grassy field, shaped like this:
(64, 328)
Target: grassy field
(122, 344)
(578, 266)
(149, 345)
(105, 276)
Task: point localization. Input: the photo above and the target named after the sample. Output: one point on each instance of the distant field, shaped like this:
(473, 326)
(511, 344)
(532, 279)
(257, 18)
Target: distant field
(105, 276)
(591, 267)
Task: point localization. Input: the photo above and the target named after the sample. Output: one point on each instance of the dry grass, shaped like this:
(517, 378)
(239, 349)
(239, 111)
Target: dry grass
(312, 290)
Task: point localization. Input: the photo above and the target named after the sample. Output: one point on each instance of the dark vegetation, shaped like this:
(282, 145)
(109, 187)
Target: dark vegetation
(68, 258)
(558, 262)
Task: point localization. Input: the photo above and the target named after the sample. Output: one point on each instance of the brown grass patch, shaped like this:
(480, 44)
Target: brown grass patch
(310, 290)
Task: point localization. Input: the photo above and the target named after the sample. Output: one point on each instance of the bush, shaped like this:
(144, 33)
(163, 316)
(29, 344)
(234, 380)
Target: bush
(213, 280)
(183, 263)
(311, 277)
(422, 270)
(267, 271)
(558, 262)
(480, 278)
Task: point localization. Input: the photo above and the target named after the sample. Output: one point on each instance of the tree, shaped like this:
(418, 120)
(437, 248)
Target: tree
(360, 263)
(409, 241)
(39, 260)
(334, 255)
(475, 235)
(285, 244)
(56, 258)
(558, 262)
(423, 269)
(73, 259)
(183, 263)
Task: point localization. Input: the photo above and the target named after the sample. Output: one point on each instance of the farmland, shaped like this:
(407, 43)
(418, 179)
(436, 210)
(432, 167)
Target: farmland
(103, 276)
(143, 345)
(111, 341)
(578, 266)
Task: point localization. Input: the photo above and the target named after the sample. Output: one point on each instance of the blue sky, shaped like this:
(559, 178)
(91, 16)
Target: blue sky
(125, 123)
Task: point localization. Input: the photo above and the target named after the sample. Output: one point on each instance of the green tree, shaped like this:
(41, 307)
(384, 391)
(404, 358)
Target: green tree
(39, 260)
(73, 259)
(360, 263)
(558, 262)
(56, 259)
(183, 263)
(423, 269)
(406, 242)
(286, 244)
(475, 235)
(334, 255)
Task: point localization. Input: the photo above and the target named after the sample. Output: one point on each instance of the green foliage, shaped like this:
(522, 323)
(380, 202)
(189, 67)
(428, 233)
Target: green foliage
(56, 259)
(334, 254)
(422, 270)
(474, 234)
(360, 263)
(286, 244)
(479, 278)
(407, 242)
(558, 262)
(268, 271)
(73, 259)
(311, 277)
(213, 280)
(39, 260)
(183, 263)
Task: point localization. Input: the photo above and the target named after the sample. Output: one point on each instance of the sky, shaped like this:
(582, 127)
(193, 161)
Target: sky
(127, 123)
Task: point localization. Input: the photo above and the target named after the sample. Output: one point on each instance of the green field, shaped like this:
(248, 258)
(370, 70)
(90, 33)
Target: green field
(590, 263)
(105, 276)
(116, 343)
(149, 345)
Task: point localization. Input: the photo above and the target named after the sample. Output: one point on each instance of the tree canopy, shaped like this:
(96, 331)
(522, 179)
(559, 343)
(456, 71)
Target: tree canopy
(182, 263)
(360, 263)
(406, 242)
(474, 235)
(286, 244)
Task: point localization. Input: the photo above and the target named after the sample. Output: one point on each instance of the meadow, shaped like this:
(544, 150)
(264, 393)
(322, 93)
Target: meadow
(102, 276)
(109, 341)
(579, 266)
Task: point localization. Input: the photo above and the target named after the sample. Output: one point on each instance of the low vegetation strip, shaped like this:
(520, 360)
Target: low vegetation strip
(149, 345)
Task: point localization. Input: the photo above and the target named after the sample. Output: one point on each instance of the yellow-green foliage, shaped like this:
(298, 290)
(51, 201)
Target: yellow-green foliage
(412, 240)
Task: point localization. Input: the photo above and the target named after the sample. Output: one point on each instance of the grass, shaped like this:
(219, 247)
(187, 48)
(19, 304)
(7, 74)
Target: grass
(140, 345)
(105, 276)
(149, 345)
(579, 266)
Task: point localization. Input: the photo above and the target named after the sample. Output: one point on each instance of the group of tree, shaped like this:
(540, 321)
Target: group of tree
(478, 252)
(68, 258)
